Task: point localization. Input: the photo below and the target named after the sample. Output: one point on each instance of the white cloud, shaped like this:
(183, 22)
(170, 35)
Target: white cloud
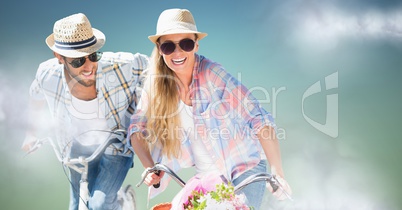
(326, 26)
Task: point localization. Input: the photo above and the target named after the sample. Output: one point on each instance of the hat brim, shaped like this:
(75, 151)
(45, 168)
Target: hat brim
(76, 53)
(154, 38)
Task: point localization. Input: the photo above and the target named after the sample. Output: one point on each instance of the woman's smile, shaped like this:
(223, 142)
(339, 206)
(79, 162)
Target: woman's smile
(179, 61)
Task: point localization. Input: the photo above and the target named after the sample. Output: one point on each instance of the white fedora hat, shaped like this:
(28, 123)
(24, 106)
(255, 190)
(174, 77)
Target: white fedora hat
(74, 37)
(176, 21)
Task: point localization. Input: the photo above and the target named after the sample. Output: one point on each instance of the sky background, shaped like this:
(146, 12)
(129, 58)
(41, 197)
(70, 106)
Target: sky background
(329, 71)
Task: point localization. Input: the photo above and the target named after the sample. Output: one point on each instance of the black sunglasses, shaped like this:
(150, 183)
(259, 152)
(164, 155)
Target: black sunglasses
(168, 47)
(78, 62)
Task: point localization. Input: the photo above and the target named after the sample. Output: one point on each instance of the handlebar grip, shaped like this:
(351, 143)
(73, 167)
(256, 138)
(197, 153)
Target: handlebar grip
(274, 186)
(159, 184)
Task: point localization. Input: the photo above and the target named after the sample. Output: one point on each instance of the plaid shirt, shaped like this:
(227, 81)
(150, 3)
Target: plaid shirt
(119, 79)
(226, 119)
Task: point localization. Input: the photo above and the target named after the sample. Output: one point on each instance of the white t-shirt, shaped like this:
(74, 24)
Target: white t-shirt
(203, 160)
(88, 122)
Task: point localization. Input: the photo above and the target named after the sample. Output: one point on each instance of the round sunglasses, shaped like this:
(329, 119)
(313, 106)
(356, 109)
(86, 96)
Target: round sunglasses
(78, 62)
(169, 47)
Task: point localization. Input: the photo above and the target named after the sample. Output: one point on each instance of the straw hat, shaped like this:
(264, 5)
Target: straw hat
(175, 21)
(74, 37)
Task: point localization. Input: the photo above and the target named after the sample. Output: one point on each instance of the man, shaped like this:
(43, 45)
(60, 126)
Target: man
(90, 94)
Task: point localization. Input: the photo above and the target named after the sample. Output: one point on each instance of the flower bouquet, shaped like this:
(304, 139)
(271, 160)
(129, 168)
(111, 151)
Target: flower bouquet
(222, 198)
(208, 191)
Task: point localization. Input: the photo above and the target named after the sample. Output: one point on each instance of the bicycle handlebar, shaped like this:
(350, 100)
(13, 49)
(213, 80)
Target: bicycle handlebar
(120, 135)
(271, 179)
(256, 178)
(120, 132)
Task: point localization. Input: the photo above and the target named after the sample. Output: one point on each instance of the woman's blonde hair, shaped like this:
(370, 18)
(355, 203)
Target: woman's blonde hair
(163, 119)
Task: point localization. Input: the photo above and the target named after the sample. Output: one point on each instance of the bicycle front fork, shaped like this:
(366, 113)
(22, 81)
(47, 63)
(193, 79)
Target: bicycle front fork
(84, 192)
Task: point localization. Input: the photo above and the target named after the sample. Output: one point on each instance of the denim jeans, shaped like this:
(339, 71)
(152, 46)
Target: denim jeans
(105, 177)
(255, 191)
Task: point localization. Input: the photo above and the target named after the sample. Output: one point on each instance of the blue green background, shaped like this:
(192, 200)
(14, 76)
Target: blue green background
(282, 47)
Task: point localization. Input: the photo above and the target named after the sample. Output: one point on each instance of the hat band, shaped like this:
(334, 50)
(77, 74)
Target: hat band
(75, 45)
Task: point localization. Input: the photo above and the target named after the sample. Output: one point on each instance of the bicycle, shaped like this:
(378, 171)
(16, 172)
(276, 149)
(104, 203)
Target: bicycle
(271, 179)
(126, 195)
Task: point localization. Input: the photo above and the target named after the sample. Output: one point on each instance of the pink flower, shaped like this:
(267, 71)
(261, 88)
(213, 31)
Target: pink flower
(202, 183)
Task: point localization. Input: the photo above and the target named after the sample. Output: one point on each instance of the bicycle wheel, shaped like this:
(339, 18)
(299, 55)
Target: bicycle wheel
(129, 202)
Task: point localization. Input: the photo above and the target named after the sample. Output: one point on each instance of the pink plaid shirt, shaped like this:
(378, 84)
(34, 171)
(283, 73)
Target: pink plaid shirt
(226, 119)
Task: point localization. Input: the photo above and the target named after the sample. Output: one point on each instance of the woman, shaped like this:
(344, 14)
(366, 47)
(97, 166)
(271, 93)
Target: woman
(194, 113)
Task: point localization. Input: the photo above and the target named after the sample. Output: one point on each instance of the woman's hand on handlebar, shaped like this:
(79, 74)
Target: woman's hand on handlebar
(152, 178)
(283, 192)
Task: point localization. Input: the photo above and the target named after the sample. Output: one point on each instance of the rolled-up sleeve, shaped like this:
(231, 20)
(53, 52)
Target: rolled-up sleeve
(138, 120)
